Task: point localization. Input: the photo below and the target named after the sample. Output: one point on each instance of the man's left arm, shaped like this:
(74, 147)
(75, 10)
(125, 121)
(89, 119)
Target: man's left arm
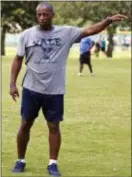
(98, 27)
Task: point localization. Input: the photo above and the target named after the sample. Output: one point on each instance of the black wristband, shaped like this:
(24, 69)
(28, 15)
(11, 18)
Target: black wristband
(109, 20)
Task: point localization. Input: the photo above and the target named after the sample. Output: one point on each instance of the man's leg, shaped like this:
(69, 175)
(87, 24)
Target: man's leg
(90, 68)
(54, 147)
(53, 111)
(80, 69)
(22, 142)
(80, 65)
(30, 107)
(104, 51)
(23, 137)
(89, 64)
(54, 139)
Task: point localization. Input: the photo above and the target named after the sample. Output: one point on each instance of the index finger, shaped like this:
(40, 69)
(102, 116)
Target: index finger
(124, 16)
(13, 97)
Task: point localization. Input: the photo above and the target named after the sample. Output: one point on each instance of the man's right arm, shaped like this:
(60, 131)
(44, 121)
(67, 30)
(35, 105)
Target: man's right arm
(15, 69)
(98, 27)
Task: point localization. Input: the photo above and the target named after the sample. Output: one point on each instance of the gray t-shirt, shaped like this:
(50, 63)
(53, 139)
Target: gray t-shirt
(46, 54)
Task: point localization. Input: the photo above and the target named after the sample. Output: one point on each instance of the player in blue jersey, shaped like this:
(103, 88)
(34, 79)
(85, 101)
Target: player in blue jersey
(45, 48)
(86, 45)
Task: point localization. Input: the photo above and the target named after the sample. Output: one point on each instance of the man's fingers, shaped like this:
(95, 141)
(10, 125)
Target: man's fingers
(14, 93)
(13, 97)
(17, 94)
(122, 16)
(119, 17)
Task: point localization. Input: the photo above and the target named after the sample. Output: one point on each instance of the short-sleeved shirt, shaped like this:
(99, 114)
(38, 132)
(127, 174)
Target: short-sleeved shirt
(85, 45)
(46, 53)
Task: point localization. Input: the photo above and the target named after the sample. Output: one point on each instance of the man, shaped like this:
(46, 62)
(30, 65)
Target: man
(126, 42)
(45, 47)
(103, 46)
(97, 48)
(100, 45)
(86, 45)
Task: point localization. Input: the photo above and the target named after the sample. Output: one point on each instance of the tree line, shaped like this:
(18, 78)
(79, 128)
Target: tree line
(80, 13)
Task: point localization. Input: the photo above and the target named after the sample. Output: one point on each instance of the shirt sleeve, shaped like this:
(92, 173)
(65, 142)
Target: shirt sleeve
(21, 45)
(75, 34)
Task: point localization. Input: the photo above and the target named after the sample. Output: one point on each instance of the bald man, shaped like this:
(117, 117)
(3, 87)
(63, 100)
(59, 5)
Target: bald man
(45, 48)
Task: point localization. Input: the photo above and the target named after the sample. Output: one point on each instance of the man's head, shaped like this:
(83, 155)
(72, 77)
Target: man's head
(45, 14)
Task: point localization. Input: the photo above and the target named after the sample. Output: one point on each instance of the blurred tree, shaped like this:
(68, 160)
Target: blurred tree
(16, 15)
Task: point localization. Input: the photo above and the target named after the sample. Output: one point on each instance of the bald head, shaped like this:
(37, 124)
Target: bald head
(45, 14)
(45, 5)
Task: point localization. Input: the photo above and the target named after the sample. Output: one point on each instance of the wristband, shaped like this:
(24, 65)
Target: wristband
(109, 20)
(12, 85)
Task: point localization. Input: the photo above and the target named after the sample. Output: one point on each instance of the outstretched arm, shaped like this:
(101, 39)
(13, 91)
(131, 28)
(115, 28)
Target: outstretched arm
(98, 27)
(15, 69)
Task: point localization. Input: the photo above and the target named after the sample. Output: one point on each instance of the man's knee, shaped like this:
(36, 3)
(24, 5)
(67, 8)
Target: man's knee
(53, 127)
(26, 125)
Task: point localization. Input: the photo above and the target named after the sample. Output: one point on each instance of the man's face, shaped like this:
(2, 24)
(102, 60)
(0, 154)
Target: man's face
(44, 17)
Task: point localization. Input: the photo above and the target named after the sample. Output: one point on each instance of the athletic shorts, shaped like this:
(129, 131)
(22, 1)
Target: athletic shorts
(85, 58)
(103, 49)
(32, 102)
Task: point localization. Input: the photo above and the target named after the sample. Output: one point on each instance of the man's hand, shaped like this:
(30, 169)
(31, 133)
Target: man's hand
(98, 27)
(117, 17)
(14, 92)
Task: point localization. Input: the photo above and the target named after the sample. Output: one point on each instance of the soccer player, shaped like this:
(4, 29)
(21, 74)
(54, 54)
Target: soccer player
(45, 47)
(86, 45)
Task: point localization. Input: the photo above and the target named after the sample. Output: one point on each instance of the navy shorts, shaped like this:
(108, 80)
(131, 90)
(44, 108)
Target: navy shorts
(32, 102)
(85, 58)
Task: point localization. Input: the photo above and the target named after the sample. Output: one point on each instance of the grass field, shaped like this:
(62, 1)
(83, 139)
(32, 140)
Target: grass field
(96, 132)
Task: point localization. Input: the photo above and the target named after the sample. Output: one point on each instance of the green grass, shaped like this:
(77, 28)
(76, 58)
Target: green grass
(96, 132)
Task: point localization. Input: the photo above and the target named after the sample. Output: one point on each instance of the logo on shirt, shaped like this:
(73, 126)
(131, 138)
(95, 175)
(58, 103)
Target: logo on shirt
(47, 45)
